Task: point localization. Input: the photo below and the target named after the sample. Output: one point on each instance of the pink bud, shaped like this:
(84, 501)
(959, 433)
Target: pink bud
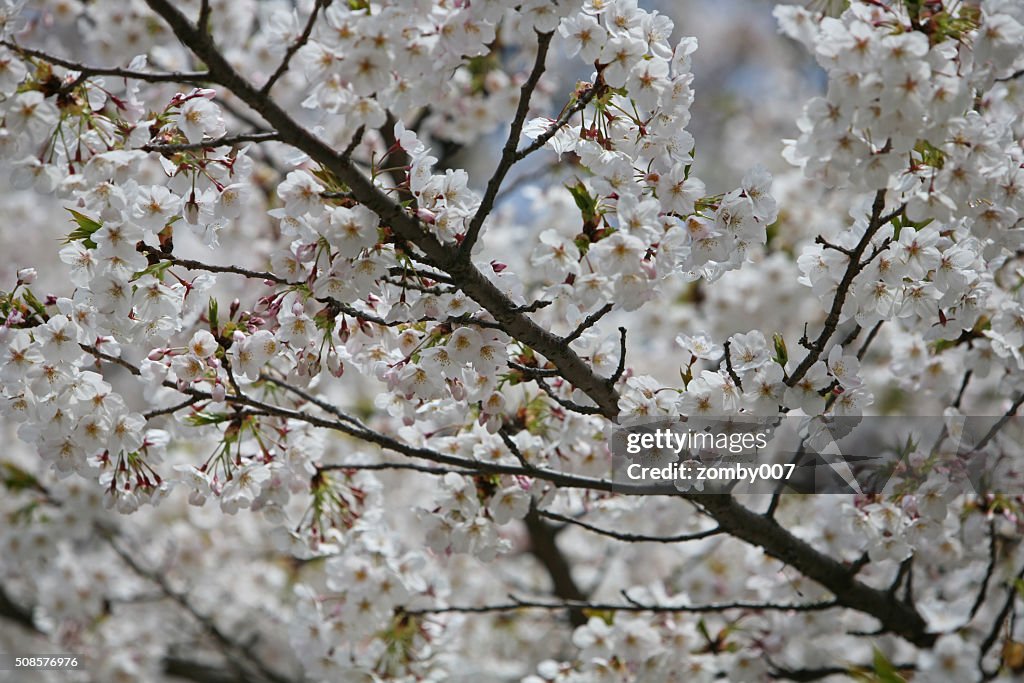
(27, 276)
(458, 389)
(334, 364)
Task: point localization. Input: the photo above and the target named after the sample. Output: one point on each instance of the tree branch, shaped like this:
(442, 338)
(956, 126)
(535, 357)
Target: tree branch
(241, 656)
(626, 536)
(224, 141)
(473, 282)
(508, 152)
(190, 77)
(895, 615)
(293, 48)
(853, 269)
(630, 606)
(544, 546)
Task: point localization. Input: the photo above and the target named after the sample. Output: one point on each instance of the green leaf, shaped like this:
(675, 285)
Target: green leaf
(884, 669)
(35, 304)
(587, 204)
(16, 479)
(84, 232)
(211, 314)
(203, 419)
(781, 352)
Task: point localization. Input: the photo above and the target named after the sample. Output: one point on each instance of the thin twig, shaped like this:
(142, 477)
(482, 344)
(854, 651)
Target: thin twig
(853, 268)
(508, 152)
(727, 347)
(191, 77)
(621, 367)
(587, 323)
(191, 400)
(241, 656)
(293, 48)
(627, 536)
(223, 141)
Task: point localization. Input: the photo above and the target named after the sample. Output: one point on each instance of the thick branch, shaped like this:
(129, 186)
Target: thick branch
(895, 615)
(544, 546)
(474, 283)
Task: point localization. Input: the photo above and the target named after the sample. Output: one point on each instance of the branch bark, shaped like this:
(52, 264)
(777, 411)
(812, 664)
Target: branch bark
(895, 616)
(471, 280)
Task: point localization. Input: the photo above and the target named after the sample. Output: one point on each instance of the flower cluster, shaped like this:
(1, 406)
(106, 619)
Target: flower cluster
(280, 307)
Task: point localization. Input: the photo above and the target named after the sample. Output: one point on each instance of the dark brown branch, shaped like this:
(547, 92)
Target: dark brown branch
(829, 245)
(1012, 596)
(895, 615)
(581, 102)
(1010, 412)
(993, 558)
(853, 269)
(471, 280)
(191, 400)
(629, 606)
(963, 388)
(587, 323)
(508, 152)
(293, 48)
(727, 347)
(544, 546)
(626, 536)
(621, 367)
(190, 77)
(203, 22)
(533, 372)
(199, 265)
(11, 611)
(568, 405)
(372, 466)
(242, 657)
(224, 141)
(867, 342)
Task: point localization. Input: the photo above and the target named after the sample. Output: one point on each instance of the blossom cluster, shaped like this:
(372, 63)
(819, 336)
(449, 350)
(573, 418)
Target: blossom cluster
(301, 325)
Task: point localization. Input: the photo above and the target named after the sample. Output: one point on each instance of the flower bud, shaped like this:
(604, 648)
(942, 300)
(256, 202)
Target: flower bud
(334, 364)
(191, 211)
(27, 276)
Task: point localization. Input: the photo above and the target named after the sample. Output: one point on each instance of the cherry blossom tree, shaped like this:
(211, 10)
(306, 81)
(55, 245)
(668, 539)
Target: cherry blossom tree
(296, 386)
